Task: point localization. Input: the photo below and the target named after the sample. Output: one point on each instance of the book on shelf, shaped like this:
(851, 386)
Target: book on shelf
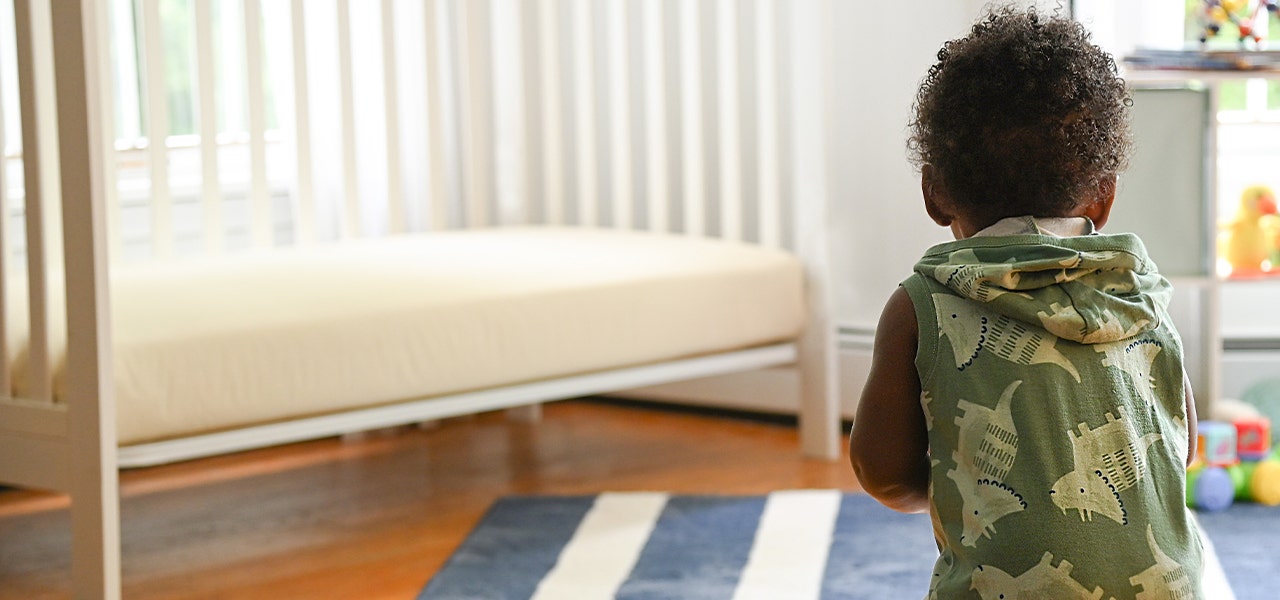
(1204, 60)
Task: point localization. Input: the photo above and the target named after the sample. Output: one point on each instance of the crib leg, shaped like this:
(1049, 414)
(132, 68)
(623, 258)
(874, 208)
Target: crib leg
(95, 529)
(819, 410)
(529, 413)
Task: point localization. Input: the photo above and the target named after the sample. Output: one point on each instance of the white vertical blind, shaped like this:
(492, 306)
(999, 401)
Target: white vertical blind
(729, 123)
(530, 126)
(436, 129)
(206, 86)
(619, 111)
(662, 114)
(653, 42)
(351, 226)
(304, 197)
(582, 26)
(694, 166)
(259, 197)
(475, 22)
(398, 214)
(550, 44)
(768, 183)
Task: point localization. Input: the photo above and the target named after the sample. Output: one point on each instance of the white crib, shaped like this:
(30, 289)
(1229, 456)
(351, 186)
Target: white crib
(683, 119)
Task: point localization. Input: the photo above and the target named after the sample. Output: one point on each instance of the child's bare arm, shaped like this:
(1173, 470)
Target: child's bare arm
(1193, 438)
(889, 446)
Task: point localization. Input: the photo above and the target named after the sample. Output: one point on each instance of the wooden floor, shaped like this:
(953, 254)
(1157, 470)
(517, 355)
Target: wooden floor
(376, 517)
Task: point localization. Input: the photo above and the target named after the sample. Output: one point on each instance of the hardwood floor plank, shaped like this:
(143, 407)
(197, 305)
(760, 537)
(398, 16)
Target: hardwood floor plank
(375, 517)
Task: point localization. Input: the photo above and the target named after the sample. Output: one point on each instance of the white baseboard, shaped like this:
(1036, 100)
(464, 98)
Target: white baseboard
(774, 390)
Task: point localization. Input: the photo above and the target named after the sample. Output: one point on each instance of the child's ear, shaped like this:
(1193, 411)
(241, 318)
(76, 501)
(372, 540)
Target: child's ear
(1099, 210)
(936, 201)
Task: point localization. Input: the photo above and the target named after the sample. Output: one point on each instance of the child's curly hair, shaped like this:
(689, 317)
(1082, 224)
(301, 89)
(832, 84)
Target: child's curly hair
(1024, 116)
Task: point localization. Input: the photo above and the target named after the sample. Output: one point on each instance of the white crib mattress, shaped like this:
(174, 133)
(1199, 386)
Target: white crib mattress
(255, 338)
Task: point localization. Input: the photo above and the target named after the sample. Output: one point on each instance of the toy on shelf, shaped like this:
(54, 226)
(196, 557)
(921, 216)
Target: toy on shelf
(1249, 240)
(1234, 461)
(1217, 447)
(1214, 14)
(1253, 438)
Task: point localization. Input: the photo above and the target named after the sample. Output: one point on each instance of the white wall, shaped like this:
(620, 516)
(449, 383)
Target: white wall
(880, 226)
(1123, 26)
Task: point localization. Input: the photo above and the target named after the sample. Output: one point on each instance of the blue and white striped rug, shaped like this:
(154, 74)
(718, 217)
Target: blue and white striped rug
(636, 545)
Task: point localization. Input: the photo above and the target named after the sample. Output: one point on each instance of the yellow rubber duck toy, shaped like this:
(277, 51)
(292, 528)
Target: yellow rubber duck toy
(1249, 242)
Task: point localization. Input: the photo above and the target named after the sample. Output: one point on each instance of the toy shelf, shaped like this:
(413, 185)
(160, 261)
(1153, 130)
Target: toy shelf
(1239, 332)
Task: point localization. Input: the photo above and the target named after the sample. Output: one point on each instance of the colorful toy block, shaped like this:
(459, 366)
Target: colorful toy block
(1253, 438)
(1217, 447)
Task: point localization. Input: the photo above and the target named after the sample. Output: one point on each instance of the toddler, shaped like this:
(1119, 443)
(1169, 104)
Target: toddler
(1027, 386)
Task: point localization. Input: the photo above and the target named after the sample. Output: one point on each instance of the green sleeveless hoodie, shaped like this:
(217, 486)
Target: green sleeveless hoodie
(1052, 382)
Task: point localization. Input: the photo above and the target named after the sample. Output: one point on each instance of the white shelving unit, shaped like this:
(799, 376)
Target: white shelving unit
(1236, 344)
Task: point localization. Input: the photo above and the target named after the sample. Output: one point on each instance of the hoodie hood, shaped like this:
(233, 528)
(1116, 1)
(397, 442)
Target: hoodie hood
(1090, 289)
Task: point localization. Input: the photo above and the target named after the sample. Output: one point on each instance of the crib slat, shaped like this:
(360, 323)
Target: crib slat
(619, 112)
(729, 123)
(259, 197)
(551, 79)
(107, 94)
(210, 184)
(478, 114)
(436, 132)
(653, 43)
(157, 95)
(768, 155)
(31, 107)
(304, 196)
(397, 212)
(692, 144)
(127, 93)
(126, 44)
(351, 226)
(583, 24)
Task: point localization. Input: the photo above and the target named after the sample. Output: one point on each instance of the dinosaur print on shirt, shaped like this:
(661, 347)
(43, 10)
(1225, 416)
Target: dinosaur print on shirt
(1166, 580)
(970, 329)
(988, 445)
(1041, 582)
(1066, 322)
(1134, 358)
(969, 277)
(1107, 461)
